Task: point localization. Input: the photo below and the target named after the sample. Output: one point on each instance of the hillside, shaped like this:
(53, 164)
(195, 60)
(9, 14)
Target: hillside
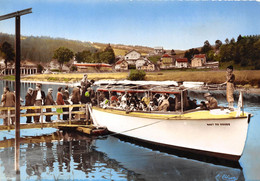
(40, 49)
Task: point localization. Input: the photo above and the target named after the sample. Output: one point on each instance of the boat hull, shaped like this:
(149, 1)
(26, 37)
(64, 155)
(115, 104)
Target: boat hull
(220, 137)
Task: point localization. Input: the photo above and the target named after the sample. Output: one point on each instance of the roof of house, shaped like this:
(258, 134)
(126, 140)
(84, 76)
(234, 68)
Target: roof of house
(120, 61)
(199, 56)
(92, 65)
(182, 60)
(132, 51)
(166, 55)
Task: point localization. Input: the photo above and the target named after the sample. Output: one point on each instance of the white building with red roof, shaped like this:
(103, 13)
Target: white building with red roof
(181, 63)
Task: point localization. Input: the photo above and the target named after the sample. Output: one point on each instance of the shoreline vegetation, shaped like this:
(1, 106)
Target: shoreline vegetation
(244, 78)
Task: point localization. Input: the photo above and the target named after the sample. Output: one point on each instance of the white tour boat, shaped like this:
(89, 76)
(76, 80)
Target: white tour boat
(217, 133)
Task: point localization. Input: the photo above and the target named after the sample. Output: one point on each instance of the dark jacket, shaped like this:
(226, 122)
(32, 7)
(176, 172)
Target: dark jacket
(8, 99)
(49, 99)
(29, 99)
(75, 96)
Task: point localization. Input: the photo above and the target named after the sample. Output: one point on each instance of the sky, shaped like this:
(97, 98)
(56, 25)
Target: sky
(172, 24)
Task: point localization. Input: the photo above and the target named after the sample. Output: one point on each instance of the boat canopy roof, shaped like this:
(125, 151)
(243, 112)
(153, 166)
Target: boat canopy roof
(133, 88)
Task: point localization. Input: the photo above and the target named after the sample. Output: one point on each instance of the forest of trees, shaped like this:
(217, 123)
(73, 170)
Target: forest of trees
(244, 52)
(102, 56)
(41, 49)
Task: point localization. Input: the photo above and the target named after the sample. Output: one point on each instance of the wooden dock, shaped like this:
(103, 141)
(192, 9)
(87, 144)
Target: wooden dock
(80, 123)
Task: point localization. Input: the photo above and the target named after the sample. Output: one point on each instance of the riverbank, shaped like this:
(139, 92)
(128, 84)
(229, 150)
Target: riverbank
(247, 79)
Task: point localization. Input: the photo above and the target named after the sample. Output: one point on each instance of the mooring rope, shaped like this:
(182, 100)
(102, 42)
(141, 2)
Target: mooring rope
(132, 129)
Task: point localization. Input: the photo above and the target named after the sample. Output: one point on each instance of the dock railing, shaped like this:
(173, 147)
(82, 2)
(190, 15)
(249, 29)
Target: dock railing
(83, 111)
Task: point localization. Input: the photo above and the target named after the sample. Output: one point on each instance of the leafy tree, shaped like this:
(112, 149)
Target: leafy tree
(173, 52)
(154, 59)
(218, 44)
(206, 47)
(108, 55)
(63, 55)
(226, 41)
(73, 68)
(7, 52)
(84, 56)
(136, 75)
(40, 68)
(190, 53)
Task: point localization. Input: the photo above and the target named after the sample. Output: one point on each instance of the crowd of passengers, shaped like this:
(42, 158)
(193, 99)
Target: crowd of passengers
(153, 101)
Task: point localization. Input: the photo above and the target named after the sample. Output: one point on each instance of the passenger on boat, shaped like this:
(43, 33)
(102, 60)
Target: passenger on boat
(164, 105)
(192, 103)
(146, 99)
(203, 106)
(171, 103)
(153, 107)
(211, 103)
(113, 99)
(155, 98)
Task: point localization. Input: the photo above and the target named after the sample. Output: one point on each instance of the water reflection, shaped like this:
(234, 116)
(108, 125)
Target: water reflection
(68, 155)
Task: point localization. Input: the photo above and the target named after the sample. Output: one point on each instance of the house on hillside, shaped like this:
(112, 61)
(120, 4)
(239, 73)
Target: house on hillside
(140, 62)
(181, 63)
(93, 67)
(147, 66)
(198, 60)
(166, 62)
(132, 56)
(121, 65)
(158, 50)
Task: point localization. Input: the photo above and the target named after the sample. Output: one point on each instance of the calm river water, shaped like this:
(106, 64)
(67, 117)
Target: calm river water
(50, 154)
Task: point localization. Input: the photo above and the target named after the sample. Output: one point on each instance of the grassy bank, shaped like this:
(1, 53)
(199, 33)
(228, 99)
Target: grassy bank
(249, 78)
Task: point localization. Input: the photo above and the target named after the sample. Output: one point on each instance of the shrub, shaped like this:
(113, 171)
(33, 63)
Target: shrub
(136, 75)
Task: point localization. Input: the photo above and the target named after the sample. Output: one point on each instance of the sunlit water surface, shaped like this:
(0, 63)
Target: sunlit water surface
(50, 154)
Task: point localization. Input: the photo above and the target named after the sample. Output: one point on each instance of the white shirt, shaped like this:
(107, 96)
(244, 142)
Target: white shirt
(39, 95)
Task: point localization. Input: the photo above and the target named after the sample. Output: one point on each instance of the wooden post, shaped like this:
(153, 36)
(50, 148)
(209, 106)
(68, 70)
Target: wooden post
(8, 118)
(41, 117)
(17, 92)
(70, 108)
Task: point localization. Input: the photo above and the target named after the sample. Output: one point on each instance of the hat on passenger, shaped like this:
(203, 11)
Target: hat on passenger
(207, 94)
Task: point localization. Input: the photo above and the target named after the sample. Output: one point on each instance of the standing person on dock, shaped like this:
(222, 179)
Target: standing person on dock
(65, 96)
(8, 100)
(59, 101)
(230, 87)
(29, 102)
(38, 100)
(49, 101)
(75, 99)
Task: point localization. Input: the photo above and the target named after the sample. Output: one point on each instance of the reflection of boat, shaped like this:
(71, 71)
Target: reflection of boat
(216, 133)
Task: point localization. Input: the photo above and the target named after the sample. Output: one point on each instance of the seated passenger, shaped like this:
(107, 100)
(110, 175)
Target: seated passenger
(203, 106)
(164, 105)
(146, 99)
(192, 103)
(113, 99)
(153, 107)
(211, 103)
(171, 104)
